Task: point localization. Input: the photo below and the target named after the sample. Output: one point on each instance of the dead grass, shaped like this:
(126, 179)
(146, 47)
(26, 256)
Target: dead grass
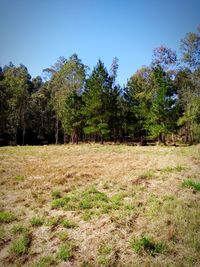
(94, 205)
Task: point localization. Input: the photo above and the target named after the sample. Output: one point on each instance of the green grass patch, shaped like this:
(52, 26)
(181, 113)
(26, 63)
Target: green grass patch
(45, 261)
(144, 244)
(90, 202)
(147, 174)
(178, 168)
(69, 224)
(56, 194)
(53, 221)
(63, 235)
(65, 252)
(7, 216)
(19, 229)
(104, 255)
(59, 202)
(21, 245)
(37, 221)
(92, 198)
(87, 215)
(191, 184)
(20, 178)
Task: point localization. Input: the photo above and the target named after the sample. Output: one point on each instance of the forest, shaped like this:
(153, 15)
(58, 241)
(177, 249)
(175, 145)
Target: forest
(70, 103)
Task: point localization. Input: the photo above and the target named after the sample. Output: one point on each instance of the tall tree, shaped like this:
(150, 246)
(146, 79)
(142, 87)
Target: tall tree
(96, 100)
(70, 77)
(17, 82)
(190, 48)
(138, 97)
(161, 116)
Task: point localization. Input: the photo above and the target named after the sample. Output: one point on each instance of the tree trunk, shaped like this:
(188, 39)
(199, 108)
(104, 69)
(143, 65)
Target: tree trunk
(56, 133)
(77, 139)
(23, 135)
(159, 139)
(101, 139)
(163, 139)
(64, 139)
(143, 141)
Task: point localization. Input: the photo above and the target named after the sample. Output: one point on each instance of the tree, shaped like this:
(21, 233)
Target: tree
(17, 83)
(69, 77)
(96, 101)
(72, 117)
(163, 56)
(190, 48)
(138, 97)
(188, 90)
(41, 114)
(161, 116)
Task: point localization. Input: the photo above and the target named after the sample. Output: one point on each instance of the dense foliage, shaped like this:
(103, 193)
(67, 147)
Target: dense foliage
(160, 102)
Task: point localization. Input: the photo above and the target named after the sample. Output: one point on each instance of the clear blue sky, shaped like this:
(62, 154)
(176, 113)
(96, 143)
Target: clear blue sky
(37, 32)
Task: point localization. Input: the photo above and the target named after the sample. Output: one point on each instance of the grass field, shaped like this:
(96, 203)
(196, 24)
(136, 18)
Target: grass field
(100, 205)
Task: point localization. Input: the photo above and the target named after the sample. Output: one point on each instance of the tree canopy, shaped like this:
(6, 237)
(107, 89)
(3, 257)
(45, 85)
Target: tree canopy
(160, 102)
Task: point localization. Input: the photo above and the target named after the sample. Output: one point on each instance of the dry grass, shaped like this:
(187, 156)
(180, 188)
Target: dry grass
(100, 205)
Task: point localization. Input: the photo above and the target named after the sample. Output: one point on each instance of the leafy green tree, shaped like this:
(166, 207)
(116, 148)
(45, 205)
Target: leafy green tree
(96, 102)
(164, 57)
(161, 119)
(72, 117)
(69, 77)
(3, 108)
(138, 96)
(188, 91)
(190, 48)
(17, 83)
(41, 115)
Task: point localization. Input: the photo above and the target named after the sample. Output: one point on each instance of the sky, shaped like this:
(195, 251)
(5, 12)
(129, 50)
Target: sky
(37, 32)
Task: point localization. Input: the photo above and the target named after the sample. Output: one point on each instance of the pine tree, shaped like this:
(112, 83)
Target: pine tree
(96, 103)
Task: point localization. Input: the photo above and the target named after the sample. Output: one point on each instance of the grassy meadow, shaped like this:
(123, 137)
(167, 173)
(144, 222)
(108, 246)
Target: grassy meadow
(99, 205)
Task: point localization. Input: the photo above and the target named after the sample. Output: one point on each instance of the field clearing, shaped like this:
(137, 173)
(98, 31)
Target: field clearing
(100, 205)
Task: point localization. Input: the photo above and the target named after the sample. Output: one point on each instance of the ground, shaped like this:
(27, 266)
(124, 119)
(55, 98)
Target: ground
(100, 205)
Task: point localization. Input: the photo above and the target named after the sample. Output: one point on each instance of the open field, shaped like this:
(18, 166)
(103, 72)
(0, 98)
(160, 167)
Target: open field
(100, 205)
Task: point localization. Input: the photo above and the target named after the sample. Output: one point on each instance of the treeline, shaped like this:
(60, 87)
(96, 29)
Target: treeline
(160, 102)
